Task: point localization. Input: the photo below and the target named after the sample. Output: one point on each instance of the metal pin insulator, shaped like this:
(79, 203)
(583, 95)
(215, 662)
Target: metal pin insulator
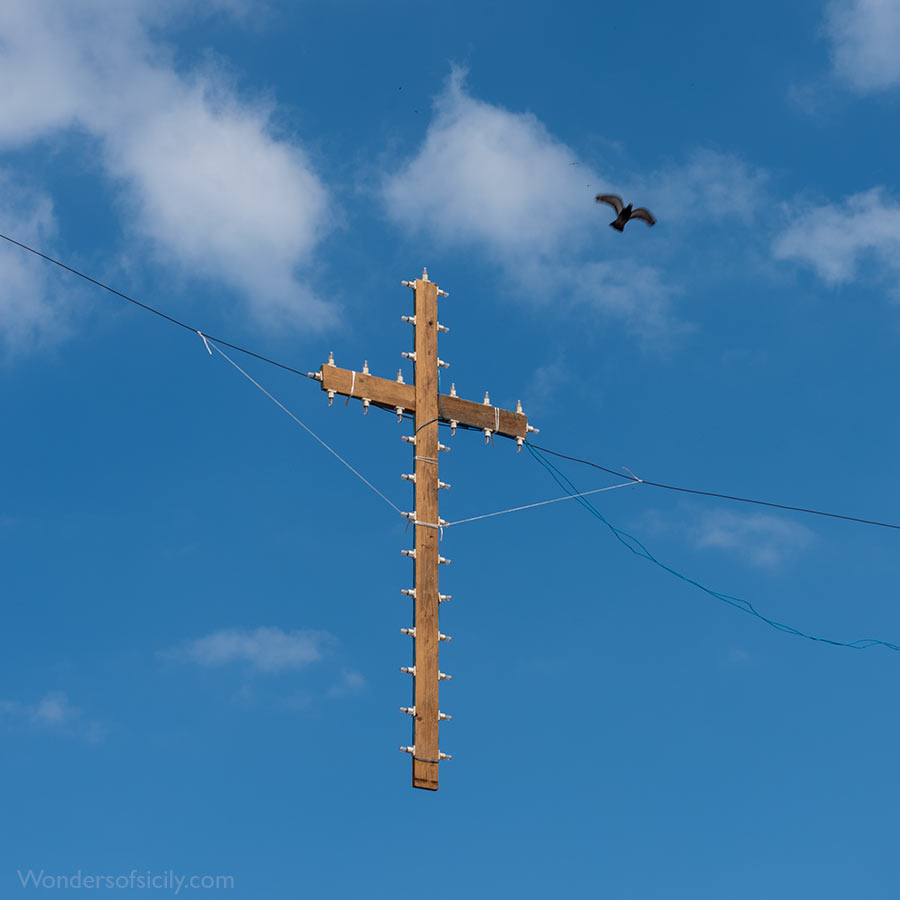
(444, 485)
(443, 328)
(409, 438)
(532, 428)
(409, 515)
(400, 376)
(410, 592)
(407, 477)
(410, 631)
(519, 442)
(316, 375)
(453, 425)
(409, 284)
(444, 598)
(409, 354)
(443, 448)
(452, 389)
(442, 293)
(365, 368)
(487, 399)
(487, 435)
(331, 398)
(442, 637)
(399, 410)
(519, 407)
(443, 522)
(442, 676)
(366, 402)
(410, 670)
(445, 756)
(443, 365)
(441, 560)
(410, 750)
(410, 319)
(409, 710)
(330, 357)
(410, 553)
(443, 716)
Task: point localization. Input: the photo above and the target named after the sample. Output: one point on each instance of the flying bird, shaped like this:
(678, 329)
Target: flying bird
(624, 213)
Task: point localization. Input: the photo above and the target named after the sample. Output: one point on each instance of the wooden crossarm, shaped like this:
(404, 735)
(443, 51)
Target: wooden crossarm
(391, 394)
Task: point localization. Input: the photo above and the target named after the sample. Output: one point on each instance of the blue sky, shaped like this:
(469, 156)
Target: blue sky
(200, 646)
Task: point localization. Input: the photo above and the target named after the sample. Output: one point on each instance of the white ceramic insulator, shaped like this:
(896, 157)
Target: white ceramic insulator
(487, 399)
(410, 553)
(316, 375)
(410, 670)
(487, 435)
(410, 592)
(444, 756)
(443, 365)
(410, 631)
(399, 410)
(441, 293)
(444, 598)
(410, 750)
(452, 389)
(441, 560)
(444, 716)
(444, 637)
(409, 438)
(519, 442)
(400, 376)
(409, 284)
(409, 515)
(443, 328)
(406, 476)
(453, 424)
(409, 354)
(443, 448)
(442, 676)
(330, 398)
(410, 319)
(443, 485)
(330, 357)
(409, 710)
(366, 402)
(519, 407)
(532, 428)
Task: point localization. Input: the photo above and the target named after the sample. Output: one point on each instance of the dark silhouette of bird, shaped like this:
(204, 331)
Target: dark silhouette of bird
(624, 213)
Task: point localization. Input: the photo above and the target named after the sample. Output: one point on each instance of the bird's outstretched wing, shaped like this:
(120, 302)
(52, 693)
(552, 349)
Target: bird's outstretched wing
(645, 214)
(614, 201)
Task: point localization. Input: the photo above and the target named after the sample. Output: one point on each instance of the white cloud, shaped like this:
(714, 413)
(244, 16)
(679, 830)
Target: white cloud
(761, 539)
(833, 239)
(209, 183)
(52, 713)
(865, 37)
(497, 180)
(30, 314)
(265, 649)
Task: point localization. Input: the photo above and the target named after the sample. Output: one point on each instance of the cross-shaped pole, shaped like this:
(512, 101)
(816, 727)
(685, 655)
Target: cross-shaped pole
(430, 407)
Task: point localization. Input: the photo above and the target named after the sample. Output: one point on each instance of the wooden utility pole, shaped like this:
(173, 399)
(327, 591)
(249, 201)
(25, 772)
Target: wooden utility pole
(430, 407)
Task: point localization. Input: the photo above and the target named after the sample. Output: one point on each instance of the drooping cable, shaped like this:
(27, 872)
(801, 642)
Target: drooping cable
(638, 549)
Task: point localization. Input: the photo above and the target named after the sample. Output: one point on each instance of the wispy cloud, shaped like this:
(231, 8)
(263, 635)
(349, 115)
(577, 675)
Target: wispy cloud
(497, 180)
(834, 239)
(31, 315)
(264, 649)
(207, 181)
(760, 539)
(53, 714)
(865, 36)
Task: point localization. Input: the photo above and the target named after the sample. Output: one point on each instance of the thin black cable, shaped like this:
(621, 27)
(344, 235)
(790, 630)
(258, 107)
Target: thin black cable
(684, 490)
(155, 311)
(461, 425)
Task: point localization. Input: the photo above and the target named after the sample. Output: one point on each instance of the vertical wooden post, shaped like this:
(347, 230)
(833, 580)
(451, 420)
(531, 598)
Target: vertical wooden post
(425, 732)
